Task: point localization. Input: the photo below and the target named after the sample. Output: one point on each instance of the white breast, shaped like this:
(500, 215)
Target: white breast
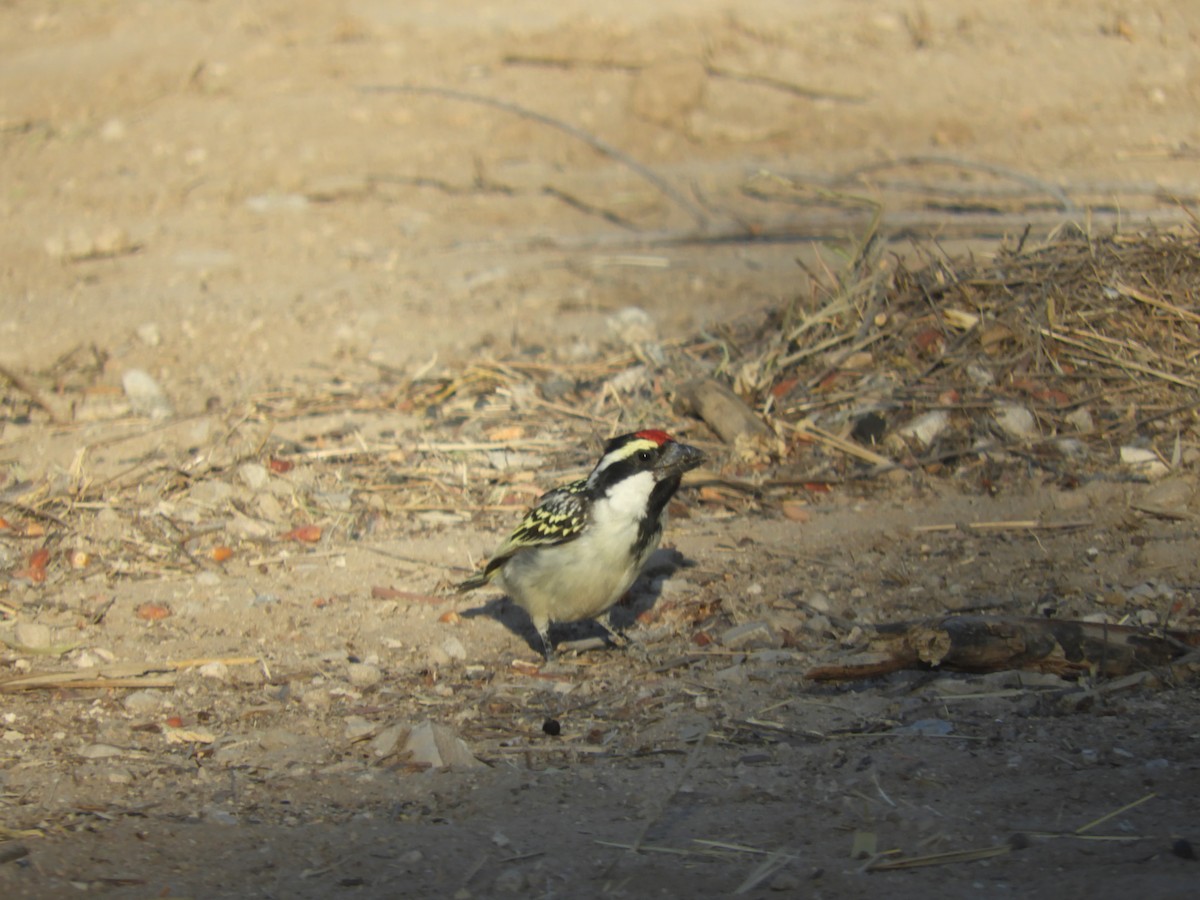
(591, 573)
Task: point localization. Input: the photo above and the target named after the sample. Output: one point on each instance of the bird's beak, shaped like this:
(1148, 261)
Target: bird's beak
(677, 459)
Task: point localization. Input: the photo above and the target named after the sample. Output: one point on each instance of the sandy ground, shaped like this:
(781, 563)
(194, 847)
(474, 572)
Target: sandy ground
(216, 194)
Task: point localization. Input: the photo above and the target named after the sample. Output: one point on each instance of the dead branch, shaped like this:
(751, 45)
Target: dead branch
(995, 643)
(600, 146)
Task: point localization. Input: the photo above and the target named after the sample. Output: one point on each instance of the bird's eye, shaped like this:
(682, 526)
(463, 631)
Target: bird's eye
(645, 455)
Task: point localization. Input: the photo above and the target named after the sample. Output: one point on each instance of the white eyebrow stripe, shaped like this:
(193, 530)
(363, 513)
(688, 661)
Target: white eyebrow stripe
(620, 454)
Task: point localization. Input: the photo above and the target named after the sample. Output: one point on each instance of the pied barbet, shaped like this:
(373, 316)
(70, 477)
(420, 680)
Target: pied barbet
(578, 551)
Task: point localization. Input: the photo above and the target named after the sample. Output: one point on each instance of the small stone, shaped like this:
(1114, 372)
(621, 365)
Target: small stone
(1081, 420)
(924, 429)
(439, 747)
(363, 675)
(32, 635)
(749, 635)
(268, 507)
(254, 475)
(1071, 448)
(385, 743)
(1016, 422)
(142, 703)
(217, 671)
(146, 396)
(337, 501)
(245, 527)
(356, 728)
(980, 376)
(1143, 461)
(785, 881)
(819, 601)
(454, 648)
(1170, 497)
(211, 493)
(100, 751)
(438, 657)
(219, 816)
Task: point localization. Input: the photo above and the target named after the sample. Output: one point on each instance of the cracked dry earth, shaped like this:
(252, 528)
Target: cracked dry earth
(202, 192)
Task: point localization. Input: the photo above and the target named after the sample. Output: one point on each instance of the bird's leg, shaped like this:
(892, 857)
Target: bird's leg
(615, 637)
(547, 644)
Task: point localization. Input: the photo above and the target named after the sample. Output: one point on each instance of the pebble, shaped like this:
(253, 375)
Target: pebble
(218, 671)
(385, 743)
(268, 507)
(356, 728)
(245, 527)
(100, 751)
(32, 635)
(210, 493)
(925, 429)
(439, 747)
(454, 648)
(219, 816)
(254, 475)
(1170, 497)
(750, 634)
(141, 703)
(980, 376)
(785, 881)
(819, 601)
(1081, 420)
(1016, 421)
(363, 674)
(338, 501)
(146, 396)
(1143, 462)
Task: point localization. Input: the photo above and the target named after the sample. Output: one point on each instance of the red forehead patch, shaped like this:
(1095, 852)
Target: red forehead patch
(659, 437)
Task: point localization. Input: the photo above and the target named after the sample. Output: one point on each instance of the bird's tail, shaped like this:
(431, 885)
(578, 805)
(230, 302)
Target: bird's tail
(478, 580)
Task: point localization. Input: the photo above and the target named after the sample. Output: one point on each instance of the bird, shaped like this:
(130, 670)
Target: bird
(582, 546)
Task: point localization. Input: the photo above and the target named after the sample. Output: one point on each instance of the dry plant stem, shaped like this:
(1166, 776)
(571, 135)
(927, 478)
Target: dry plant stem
(1082, 829)
(941, 859)
(788, 87)
(1038, 184)
(31, 392)
(721, 409)
(970, 643)
(812, 432)
(602, 147)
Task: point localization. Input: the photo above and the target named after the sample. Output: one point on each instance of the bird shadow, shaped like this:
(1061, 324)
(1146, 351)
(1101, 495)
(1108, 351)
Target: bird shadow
(638, 600)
